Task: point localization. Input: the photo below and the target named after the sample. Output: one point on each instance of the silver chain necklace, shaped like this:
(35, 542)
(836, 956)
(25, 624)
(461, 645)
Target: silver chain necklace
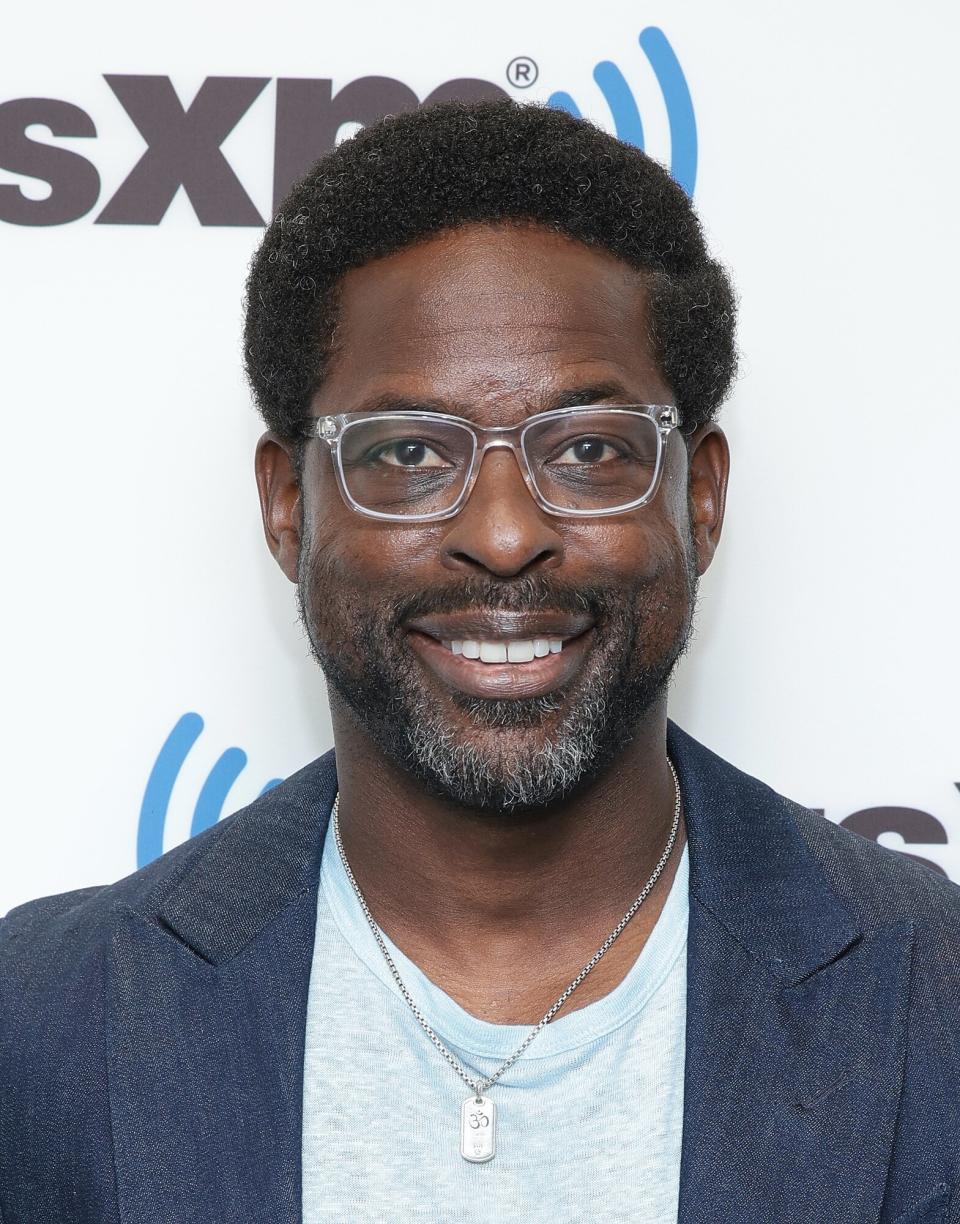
(478, 1112)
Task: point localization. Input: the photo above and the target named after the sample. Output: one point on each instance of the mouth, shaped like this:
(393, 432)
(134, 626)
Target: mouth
(502, 655)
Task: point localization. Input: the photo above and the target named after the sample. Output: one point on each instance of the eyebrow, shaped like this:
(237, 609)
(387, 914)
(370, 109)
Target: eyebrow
(574, 397)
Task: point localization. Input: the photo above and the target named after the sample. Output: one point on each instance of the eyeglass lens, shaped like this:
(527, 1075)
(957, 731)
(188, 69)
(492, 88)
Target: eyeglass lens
(588, 461)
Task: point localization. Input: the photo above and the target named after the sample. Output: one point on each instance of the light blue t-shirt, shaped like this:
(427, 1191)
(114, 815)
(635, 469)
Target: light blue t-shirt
(589, 1120)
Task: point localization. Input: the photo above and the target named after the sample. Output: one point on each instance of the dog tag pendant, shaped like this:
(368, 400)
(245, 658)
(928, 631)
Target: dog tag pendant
(478, 1117)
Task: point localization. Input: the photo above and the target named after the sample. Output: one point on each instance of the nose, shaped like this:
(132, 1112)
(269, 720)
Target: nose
(501, 529)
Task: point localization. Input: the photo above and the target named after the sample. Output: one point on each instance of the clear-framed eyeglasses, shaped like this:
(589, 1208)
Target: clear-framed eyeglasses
(421, 466)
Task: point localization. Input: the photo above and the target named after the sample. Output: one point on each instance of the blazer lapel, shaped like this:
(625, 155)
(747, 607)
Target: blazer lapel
(795, 1018)
(207, 993)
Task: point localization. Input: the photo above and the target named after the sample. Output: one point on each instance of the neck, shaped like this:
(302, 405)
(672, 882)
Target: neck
(453, 887)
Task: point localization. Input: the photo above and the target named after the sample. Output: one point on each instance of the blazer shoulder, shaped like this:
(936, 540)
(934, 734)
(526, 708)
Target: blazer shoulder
(876, 884)
(46, 942)
(52, 932)
(880, 885)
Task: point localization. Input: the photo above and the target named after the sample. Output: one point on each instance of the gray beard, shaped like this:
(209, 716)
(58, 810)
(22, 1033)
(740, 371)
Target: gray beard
(525, 758)
(511, 780)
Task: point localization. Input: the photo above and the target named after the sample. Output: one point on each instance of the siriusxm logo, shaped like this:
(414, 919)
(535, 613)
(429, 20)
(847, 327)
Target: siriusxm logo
(213, 793)
(184, 143)
(626, 115)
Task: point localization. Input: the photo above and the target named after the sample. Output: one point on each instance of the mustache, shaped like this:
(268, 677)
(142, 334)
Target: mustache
(529, 594)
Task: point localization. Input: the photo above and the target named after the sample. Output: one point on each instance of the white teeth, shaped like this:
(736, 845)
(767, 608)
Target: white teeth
(506, 652)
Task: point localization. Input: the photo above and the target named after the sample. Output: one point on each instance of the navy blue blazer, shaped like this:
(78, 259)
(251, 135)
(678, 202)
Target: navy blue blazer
(152, 1032)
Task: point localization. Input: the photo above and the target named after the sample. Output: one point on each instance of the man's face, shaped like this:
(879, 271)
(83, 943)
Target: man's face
(495, 324)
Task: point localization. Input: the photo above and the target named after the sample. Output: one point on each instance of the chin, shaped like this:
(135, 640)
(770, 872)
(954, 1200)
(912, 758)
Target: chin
(521, 758)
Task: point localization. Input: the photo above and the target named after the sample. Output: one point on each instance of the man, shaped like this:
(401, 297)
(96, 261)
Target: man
(521, 950)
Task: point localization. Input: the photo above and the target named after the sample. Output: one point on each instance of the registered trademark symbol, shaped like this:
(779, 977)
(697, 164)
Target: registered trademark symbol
(522, 71)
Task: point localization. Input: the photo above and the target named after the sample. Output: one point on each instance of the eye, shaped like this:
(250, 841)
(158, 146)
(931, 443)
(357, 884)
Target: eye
(589, 449)
(408, 453)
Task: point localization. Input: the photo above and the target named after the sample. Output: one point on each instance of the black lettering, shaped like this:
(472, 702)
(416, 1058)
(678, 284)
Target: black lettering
(183, 150)
(74, 182)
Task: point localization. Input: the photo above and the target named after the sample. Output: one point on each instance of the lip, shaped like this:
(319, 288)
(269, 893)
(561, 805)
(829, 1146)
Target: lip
(483, 625)
(501, 680)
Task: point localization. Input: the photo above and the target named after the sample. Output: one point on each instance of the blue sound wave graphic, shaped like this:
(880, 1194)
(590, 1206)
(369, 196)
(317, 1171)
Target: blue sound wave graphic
(623, 107)
(166, 770)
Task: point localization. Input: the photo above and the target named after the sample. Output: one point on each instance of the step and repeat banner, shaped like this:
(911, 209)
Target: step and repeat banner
(155, 677)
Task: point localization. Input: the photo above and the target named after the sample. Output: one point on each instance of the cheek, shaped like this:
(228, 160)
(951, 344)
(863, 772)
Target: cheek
(339, 548)
(640, 548)
(346, 552)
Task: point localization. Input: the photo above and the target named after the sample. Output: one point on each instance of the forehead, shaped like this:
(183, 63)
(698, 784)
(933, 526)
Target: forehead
(490, 319)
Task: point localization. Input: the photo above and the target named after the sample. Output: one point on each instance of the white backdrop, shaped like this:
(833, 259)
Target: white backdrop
(137, 586)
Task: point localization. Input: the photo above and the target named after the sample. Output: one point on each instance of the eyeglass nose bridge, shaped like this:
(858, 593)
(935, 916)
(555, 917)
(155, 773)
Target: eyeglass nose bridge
(500, 437)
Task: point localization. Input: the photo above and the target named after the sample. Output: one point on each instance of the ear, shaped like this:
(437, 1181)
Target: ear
(280, 502)
(709, 469)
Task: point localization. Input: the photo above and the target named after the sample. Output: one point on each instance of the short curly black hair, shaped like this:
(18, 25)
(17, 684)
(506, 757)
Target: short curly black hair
(449, 164)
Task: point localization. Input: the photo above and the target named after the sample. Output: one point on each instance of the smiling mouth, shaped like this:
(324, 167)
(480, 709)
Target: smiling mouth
(502, 657)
